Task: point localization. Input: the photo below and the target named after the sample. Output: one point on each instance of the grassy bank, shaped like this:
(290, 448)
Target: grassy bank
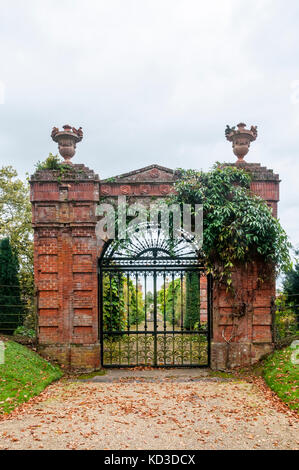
(23, 375)
(282, 376)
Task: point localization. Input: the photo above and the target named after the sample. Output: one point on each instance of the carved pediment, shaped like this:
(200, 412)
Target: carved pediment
(149, 174)
(153, 180)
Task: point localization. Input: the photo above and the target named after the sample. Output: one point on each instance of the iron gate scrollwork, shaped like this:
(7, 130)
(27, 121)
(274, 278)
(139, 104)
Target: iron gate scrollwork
(155, 303)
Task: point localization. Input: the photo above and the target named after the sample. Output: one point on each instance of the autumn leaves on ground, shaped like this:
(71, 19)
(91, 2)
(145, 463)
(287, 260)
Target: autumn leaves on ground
(149, 409)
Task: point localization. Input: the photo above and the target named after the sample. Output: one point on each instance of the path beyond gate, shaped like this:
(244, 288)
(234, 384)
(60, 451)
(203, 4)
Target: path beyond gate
(154, 309)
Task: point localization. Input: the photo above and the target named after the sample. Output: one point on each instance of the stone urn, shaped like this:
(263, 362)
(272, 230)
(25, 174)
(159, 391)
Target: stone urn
(67, 141)
(241, 139)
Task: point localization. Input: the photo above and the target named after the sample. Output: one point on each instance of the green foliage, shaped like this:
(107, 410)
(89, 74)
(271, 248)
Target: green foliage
(15, 224)
(25, 332)
(285, 318)
(135, 310)
(291, 289)
(122, 305)
(172, 304)
(192, 301)
(52, 162)
(23, 375)
(282, 376)
(291, 280)
(113, 302)
(11, 309)
(237, 225)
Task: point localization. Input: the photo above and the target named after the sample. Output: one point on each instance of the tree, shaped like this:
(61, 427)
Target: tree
(134, 304)
(15, 223)
(172, 304)
(11, 309)
(192, 301)
(285, 318)
(291, 288)
(136, 307)
(113, 302)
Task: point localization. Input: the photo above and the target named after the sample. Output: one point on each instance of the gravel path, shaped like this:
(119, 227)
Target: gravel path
(151, 410)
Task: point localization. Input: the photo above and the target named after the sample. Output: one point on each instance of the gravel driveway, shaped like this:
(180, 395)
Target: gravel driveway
(155, 409)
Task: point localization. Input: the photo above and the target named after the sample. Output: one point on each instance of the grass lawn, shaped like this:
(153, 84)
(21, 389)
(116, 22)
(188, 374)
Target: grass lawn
(282, 376)
(23, 375)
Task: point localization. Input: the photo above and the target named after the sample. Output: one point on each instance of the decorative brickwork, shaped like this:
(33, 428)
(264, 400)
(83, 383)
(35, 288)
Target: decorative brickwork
(65, 263)
(242, 323)
(265, 183)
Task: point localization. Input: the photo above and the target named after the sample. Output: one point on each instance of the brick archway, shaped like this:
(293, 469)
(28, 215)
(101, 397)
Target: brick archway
(66, 252)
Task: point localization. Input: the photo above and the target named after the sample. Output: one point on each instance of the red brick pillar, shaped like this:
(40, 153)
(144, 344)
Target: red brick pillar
(242, 322)
(65, 264)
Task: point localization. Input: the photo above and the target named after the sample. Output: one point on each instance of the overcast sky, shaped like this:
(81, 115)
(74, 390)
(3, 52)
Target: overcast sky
(152, 81)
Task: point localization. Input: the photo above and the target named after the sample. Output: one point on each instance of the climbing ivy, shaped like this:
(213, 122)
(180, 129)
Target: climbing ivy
(238, 226)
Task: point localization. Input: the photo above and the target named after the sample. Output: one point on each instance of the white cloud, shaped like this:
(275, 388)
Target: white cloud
(152, 81)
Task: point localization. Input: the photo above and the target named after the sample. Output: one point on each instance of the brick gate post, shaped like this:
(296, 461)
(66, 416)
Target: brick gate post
(243, 322)
(65, 264)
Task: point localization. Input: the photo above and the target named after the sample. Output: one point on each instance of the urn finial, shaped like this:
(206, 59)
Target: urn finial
(241, 138)
(67, 140)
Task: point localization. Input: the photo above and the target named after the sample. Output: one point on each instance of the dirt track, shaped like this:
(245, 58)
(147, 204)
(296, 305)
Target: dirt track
(151, 410)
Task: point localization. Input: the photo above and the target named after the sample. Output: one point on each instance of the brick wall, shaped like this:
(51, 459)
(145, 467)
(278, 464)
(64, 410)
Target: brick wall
(242, 324)
(65, 265)
(265, 183)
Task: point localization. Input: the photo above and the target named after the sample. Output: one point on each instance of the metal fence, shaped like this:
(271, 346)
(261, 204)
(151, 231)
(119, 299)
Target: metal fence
(16, 310)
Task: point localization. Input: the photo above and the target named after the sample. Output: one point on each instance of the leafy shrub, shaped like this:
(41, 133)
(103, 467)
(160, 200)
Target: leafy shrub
(25, 332)
(285, 318)
(238, 226)
(52, 162)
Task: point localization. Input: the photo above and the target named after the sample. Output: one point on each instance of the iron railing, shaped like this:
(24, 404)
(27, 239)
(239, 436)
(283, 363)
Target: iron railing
(161, 333)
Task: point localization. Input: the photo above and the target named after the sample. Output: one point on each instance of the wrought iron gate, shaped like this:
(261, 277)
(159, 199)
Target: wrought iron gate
(155, 302)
